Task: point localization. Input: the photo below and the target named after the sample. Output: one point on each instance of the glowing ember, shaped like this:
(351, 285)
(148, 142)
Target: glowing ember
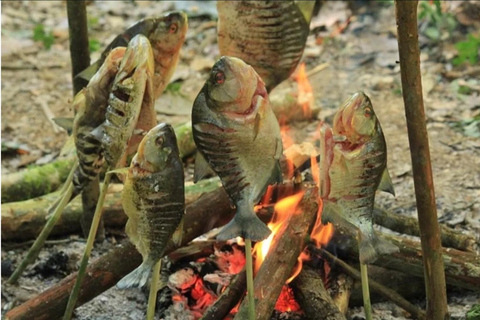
(286, 301)
(305, 92)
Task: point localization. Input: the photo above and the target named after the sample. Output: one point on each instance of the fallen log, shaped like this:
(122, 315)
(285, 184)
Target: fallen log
(24, 220)
(312, 296)
(286, 246)
(228, 299)
(462, 269)
(409, 225)
(377, 287)
(35, 181)
(211, 210)
(343, 290)
(40, 180)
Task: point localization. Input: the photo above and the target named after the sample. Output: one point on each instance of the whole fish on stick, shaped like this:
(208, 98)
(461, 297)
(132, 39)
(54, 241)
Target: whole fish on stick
(353, 165)
(238, 136)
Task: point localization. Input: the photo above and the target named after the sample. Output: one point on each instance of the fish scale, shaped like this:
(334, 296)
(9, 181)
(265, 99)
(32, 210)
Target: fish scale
(268, 35)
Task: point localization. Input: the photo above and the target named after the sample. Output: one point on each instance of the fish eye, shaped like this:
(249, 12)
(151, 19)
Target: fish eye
(159, 141)
(219, 77)
(367, 112)
(173, 28)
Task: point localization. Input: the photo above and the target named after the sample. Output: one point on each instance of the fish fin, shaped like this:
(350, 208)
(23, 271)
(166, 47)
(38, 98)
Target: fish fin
(245, 224)
(89, 72)
(178, 234)
(65, 123)
(278, 149)
(137, 278)
(386, 183)
(202, 168)
(371, 247)
(306, 8)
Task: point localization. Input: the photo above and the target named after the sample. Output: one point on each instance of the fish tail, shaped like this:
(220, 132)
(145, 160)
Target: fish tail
(372, 247)
(245, 224)
(137, 278)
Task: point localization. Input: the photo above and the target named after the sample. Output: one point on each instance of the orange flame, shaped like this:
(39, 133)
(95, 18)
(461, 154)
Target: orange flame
(283, 210)
(305, 92)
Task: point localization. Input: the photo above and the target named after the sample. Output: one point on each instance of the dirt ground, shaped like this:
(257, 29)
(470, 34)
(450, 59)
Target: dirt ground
(362, 56)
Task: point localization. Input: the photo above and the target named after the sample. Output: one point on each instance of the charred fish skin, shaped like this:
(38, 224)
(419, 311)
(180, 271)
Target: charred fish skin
(238, 136)
(268, 35)
(153, 199)
(130, 87)
(353, 167)
(91, 104)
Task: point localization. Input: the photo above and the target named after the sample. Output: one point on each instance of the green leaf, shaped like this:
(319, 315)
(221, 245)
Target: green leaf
(93, 45)
(467, 51)
(433, 33)
(39, 34)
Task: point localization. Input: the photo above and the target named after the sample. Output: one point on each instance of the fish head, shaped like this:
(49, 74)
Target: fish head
(234, 88)
(168, 32)
(356, 120)
(156, 148)
(138, 56)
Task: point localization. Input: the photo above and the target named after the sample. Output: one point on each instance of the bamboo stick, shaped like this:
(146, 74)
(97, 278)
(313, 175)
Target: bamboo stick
(406, 15)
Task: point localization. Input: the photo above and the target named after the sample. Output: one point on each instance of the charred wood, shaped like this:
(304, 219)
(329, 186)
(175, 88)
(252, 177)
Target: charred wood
(228, 299)
(312, 296)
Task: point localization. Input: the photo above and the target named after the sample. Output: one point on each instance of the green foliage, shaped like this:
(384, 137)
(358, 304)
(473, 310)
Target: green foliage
(467, 51)
(439, 24)
(174, 87)
(474, 313)
(93, 45)
(469, 127)
(40, 34)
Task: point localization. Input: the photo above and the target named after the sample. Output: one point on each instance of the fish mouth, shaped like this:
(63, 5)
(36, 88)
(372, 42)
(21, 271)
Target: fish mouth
(259, 96)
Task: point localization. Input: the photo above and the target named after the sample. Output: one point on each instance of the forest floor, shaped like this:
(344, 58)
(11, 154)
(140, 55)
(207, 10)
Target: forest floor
(360, 46)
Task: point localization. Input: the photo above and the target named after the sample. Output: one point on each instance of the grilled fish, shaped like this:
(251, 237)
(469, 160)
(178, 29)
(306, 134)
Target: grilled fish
(268, 35)
(153, 199)
(238, 136)
(132, 88)
(91, 104)
(352, 167)
(166, 35)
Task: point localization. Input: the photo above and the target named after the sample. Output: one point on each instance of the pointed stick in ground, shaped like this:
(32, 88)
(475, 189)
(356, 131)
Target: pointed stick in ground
(406, 15)
(250, 289)
(32, 253)
(367, 306)
(72, 301)
(152, 296)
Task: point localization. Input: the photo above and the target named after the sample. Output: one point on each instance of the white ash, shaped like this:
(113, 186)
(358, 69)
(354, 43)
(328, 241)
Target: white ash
(182, 279)
(179, 310)
(230, 262)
